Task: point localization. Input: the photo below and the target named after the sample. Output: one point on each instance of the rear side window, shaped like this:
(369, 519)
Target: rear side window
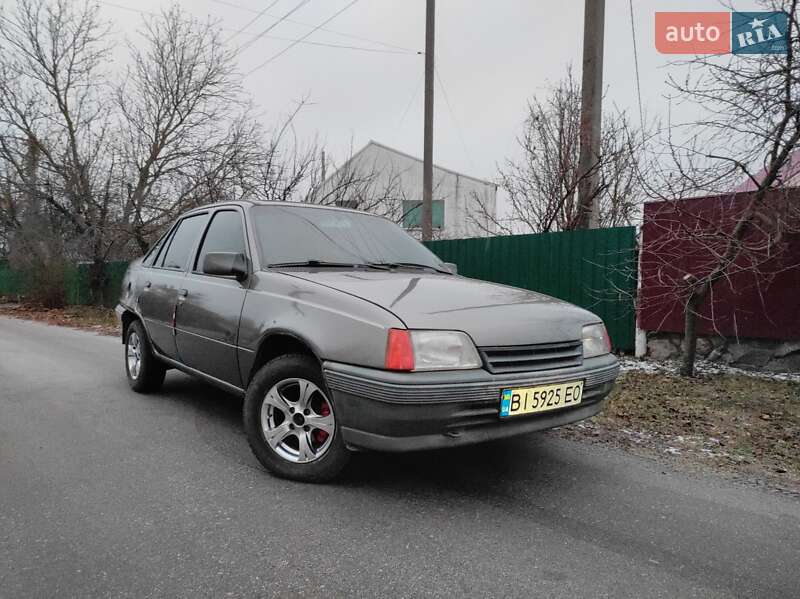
(224, 234)
(153, 253)
(183, 242)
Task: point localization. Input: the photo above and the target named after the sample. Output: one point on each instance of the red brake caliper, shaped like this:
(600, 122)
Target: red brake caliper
(320, 435)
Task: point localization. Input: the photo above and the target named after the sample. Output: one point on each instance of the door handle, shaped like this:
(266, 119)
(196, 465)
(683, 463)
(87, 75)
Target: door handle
(147, 285)
(182, 293)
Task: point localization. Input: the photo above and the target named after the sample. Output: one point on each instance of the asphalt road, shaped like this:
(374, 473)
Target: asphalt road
(106, 493)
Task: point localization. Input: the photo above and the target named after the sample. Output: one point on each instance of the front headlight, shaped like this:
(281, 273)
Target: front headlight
(430, 350)
(596, 341)
(443, 350)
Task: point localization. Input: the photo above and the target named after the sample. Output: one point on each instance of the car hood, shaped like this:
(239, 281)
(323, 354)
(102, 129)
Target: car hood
(491, 314)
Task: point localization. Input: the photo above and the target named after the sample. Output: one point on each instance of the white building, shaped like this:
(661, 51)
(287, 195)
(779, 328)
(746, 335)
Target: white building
(386, 181)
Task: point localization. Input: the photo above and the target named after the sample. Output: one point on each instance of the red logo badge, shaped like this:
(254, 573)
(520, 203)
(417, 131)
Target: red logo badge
(693, 32)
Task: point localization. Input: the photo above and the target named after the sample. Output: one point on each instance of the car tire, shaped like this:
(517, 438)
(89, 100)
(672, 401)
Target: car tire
(298, 450)
(145, 372)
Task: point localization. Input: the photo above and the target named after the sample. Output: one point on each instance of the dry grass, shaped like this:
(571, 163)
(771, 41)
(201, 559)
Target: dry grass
(742, 424)
(102, 320)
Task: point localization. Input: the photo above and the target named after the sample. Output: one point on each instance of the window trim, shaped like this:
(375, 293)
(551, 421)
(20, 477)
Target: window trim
(175, 227)
(199, 247)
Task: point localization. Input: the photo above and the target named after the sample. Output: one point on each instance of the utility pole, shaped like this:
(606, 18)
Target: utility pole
(427, 167)
(591, 114)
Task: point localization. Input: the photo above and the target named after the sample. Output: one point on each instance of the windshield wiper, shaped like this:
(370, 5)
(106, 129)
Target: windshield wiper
(325, 264)
(408, 265)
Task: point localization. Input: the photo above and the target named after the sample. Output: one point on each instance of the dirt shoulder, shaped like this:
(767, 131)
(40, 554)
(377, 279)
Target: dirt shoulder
(743, 425)
(87, 318)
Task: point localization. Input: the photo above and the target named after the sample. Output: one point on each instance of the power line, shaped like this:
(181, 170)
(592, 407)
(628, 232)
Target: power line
(232, 5)
(294, 43)
(411, 101)
(141, 12)
(340, 46)
(275, 24)
(325, 29)
(453, 116)
(274, 37)
(254, 19)
(636, 68)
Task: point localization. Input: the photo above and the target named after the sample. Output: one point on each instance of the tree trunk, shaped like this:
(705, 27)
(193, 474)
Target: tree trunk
(140, 240)
(690, 334)
(97, 281)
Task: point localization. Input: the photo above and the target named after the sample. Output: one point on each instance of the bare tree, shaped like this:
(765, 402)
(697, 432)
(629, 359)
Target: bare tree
(289, 170)
(186, 136)
(95, 165)
(55, 139)
(748, 128)
(542, 185)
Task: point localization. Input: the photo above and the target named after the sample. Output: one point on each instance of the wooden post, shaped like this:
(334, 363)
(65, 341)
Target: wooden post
(591, 115)
(427, 168)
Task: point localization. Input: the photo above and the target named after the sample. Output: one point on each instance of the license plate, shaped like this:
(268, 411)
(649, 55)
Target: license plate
(530, 400)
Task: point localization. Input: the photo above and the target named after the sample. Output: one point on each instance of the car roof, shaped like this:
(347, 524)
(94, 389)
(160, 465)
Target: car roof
(246, 203)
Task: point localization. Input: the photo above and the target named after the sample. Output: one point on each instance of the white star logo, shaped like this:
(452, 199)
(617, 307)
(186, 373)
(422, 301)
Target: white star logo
(755, 23)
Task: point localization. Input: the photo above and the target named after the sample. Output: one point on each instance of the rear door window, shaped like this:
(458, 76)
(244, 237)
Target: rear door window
(183, 241)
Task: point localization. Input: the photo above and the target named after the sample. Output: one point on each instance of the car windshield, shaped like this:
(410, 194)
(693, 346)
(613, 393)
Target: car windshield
(299, 235)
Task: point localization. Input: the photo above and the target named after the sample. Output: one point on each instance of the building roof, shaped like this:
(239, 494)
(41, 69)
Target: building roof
(789, 175)
(376, 144)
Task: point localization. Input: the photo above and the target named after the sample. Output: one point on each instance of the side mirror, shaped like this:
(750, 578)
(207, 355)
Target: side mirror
(226, 264)
(452, 267)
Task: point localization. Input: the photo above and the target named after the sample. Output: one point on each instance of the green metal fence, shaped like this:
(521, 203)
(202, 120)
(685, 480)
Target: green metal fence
(594, 269)
(76, 283)
(78, 291)
(10, 281)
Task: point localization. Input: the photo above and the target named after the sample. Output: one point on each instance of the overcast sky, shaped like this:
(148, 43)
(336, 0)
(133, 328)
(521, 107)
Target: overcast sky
(492, 56)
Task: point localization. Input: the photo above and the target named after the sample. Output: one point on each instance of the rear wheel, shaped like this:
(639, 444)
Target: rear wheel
(291, 423)
(145, 372)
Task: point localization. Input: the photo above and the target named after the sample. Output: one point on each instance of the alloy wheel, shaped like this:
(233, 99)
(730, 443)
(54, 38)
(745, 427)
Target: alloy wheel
(134, 355)
(297, 420)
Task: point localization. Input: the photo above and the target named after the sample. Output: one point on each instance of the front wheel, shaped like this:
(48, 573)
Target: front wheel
(145, 372)
(290, 421)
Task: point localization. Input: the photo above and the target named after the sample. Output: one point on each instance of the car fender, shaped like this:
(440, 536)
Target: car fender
(333, 324)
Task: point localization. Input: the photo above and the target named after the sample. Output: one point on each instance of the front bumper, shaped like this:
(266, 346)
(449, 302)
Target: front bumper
(398, 411)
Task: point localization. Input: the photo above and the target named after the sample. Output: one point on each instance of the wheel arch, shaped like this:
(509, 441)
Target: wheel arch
(276, 343)
(127, 318)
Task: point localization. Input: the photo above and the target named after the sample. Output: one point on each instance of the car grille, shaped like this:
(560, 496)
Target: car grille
(527, 358)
